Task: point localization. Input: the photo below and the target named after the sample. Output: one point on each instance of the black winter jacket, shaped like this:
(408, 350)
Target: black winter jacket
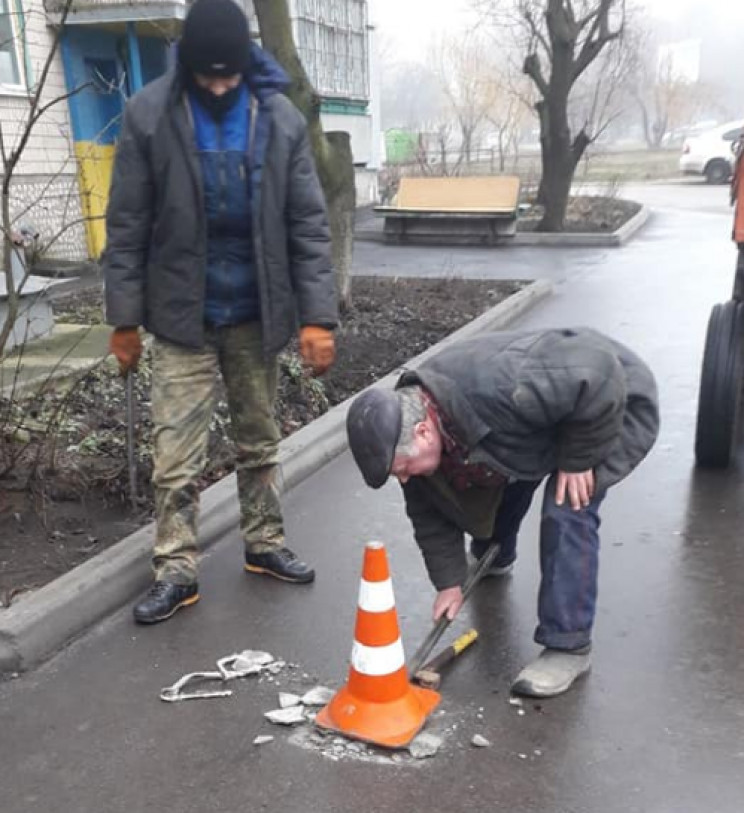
(527, 405)
(155, 259)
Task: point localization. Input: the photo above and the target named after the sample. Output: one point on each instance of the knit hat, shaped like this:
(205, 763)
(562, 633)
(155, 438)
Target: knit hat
(215, 39)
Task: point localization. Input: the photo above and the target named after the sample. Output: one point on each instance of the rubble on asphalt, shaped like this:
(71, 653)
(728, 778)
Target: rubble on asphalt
(425, 745)
(288, 716)
(298, 706)
(319, 696)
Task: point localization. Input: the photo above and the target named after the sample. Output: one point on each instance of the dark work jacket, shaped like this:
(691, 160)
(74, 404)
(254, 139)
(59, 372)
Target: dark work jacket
(155, 260)
(527, 405)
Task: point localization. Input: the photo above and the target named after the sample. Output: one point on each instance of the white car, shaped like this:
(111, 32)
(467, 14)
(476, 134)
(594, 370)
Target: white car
(712, 153)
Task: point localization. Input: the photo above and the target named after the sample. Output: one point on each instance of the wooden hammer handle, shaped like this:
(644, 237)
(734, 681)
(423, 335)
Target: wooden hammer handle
(451, 652)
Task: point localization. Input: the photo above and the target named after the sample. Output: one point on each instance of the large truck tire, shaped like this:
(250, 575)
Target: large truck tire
(719, 398)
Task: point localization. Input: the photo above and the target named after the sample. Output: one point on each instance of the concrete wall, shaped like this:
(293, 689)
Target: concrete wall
(367, 188)
(360, 130)
(45, 191)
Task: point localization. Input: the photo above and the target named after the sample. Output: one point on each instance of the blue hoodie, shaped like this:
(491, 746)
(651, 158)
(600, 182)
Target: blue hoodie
(232, 169)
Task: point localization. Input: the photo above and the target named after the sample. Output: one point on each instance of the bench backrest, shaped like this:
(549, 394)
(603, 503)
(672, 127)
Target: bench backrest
(482, 194)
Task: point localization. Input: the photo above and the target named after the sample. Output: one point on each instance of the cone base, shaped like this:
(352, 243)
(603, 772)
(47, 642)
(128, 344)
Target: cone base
(393, 724)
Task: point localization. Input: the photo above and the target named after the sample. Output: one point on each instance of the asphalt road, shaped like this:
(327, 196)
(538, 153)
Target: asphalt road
(655, 728)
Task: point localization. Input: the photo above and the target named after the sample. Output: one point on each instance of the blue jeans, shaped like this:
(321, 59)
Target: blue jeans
(569, 561)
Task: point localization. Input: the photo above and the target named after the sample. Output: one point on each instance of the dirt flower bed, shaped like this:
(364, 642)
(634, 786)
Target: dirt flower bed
(63, 465)
(587, 214)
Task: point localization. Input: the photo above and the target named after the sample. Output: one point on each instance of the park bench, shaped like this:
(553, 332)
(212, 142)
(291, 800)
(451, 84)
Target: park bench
(480, 210)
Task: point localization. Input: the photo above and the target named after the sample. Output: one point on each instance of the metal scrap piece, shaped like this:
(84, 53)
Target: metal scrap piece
(237, 665)
(175, 693)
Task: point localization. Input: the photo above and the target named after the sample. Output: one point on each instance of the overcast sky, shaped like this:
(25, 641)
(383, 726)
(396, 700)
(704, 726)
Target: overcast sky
(409, 25)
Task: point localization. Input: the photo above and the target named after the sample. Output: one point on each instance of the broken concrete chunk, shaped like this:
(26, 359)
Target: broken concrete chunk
(480, 742)
(319, 696)
(290, 716)
(425, 745)
(242, 664)
(263, 740)
(287, 700)
(276, 667)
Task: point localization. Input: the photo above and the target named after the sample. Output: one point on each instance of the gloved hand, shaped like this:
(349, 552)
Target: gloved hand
(126, 345)
(317, 348)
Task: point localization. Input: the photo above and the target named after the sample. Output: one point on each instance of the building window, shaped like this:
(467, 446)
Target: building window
(10, 74)
(333, 42)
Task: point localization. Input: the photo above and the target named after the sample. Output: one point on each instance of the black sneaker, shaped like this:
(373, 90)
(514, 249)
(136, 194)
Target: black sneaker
(280, 563)
(164, 599)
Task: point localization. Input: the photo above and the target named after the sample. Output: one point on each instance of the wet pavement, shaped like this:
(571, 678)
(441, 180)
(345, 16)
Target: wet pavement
(656, 728)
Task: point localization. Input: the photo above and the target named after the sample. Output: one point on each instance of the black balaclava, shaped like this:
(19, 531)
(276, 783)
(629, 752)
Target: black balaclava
(215, 42)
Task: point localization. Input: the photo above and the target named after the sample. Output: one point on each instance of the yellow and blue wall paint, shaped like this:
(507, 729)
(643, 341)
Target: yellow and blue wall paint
(112, 65)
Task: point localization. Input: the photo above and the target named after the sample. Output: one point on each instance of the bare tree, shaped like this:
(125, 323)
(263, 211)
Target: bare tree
(562, 39)
(332, 150)
(510, 111)
(666, 97)
(463, 68)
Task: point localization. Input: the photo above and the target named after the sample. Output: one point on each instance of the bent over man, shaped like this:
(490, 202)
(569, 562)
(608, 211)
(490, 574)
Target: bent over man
(473, 433)
(218, 245)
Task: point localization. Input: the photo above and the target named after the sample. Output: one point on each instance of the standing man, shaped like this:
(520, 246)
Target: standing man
(473, 433)
(218, 245)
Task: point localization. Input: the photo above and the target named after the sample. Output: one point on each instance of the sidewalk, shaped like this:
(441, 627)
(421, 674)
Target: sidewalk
(656, 728)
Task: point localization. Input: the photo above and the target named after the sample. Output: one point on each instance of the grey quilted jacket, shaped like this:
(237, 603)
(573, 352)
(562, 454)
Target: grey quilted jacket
(527, 405)
(155, 260)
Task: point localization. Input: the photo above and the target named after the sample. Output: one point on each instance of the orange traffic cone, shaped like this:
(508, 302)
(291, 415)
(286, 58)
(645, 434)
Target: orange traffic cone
(378, 705)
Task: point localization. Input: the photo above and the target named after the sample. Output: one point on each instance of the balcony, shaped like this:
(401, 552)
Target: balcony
(167, 15)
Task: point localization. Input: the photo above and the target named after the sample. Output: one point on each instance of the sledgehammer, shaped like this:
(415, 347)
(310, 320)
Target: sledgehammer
(475, 574)
(429, 675)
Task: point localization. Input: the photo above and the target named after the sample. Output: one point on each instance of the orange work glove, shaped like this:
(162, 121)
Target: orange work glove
(126, 345)
(317, 348)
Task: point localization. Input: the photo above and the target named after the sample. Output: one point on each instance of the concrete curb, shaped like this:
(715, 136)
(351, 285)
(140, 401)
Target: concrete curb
(612, 240)
(583, 240)
(37, 626)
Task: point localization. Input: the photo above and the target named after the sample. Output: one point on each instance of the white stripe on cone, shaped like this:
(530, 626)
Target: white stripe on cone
(376, 597)
(376, 661)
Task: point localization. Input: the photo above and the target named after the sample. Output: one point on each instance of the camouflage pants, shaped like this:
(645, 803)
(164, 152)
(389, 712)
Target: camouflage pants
(183, 401)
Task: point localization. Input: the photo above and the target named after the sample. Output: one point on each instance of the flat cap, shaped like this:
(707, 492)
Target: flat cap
(373, 428)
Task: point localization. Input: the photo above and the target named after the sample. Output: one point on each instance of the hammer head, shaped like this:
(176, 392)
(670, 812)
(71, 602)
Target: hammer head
(428, 679)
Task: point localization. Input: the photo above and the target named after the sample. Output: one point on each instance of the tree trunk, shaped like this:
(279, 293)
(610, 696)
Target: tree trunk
(560, 154)
(340, 186)
(332, 151)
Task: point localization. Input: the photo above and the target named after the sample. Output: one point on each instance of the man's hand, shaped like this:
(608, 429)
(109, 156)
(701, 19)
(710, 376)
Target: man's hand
(317, 348)
(448, 602)
(126, 345)
(578, 485)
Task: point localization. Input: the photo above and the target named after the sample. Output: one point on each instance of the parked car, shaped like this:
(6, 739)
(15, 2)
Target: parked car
(712, 153)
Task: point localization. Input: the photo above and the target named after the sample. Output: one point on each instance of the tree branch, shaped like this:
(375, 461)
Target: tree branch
(533, 69)
(536, 31)
(64, 97)
(599, 35)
